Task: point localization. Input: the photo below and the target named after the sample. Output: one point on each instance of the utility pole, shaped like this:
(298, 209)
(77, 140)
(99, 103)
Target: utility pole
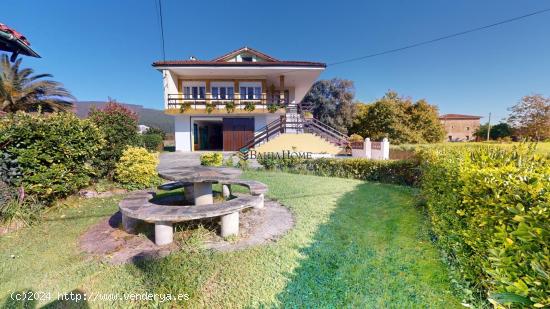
(489, 127)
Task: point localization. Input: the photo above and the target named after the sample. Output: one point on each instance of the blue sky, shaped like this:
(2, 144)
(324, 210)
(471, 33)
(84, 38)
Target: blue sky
(105, 48)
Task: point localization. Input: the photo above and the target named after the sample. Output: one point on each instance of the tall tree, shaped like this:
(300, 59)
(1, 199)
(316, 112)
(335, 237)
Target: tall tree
(498, 131)
(398, 119)
(20, 90)
(332, 102)
(530, 117)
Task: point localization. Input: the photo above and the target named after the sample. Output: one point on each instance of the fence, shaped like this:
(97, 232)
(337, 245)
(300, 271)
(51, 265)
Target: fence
(371, 150)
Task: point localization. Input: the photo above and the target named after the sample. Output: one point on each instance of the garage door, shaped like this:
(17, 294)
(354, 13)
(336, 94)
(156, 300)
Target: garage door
(236, 132)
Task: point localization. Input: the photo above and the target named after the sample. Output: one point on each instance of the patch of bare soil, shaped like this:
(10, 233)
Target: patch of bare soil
(106, 241)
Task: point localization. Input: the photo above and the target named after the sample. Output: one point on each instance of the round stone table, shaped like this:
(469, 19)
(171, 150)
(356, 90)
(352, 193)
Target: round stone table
(198, 181)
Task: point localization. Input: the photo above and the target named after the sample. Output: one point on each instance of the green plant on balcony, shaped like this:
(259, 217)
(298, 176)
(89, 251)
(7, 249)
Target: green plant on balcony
(230, 106)
(308, 115)
(209, 106)
(249, 106)
(184, 107)
(273, 107)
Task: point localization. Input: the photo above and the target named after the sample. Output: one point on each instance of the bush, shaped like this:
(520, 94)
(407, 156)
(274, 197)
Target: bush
(355, 138)
(154, 130)
(152, 142)
(119, 125)
(405, 172)
(137, 169)
(489, 208)
(211, 159)
(53, 153)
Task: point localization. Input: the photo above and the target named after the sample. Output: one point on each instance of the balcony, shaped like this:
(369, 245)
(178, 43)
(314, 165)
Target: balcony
(188, 104)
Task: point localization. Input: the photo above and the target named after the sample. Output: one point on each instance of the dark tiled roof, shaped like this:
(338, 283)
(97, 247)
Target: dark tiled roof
(186, 63)
(458, 116)
(222, 61)
(245, 49)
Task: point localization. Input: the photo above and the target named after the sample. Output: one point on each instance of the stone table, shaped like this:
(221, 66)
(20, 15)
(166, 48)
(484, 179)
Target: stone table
(198, 180)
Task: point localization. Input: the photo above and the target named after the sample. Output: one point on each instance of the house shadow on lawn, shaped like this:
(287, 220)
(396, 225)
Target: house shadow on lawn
(374, 251)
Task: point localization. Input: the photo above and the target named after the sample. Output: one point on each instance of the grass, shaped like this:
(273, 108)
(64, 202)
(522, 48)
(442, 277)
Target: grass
(354, 244)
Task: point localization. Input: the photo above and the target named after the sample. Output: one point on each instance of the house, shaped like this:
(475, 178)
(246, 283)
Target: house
(241, 100)
(460, 128)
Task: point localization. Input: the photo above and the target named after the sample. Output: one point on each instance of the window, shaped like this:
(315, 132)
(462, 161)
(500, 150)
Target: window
(195, 92)
(467, 137)
(247, 59)
(467, 128)
(222, 93)
(251, 93)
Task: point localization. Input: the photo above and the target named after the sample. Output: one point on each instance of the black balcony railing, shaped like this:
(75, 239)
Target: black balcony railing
(231, 103)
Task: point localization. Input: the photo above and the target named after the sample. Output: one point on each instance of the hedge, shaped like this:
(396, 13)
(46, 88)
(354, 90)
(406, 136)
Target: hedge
(403, 172)
(489, 209)
(49, 155)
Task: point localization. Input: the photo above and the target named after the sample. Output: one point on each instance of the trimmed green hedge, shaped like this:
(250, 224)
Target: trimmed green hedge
(490, 211)
(53, 153)
(403, 172)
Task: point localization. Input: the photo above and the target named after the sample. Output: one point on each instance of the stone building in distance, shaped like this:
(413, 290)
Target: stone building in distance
(460, 128)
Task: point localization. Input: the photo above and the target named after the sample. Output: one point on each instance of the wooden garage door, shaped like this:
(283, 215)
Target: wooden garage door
(236, 132)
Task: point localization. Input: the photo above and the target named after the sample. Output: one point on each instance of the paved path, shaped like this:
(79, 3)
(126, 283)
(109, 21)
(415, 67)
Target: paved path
(170, 160)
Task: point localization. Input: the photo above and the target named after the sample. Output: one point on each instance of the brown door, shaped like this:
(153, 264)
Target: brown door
(236, 132)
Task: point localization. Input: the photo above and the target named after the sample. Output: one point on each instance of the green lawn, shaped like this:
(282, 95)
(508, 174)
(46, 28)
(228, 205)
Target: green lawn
(354, 244)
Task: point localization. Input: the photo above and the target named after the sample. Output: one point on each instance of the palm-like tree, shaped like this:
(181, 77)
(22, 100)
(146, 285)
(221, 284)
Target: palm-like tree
(20, 90)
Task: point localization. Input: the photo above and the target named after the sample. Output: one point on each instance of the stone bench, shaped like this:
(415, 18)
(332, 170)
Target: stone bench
(138, 206)
(256, 188)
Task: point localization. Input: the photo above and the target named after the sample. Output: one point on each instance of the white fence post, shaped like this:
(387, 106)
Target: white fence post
(367, 148)
(385, 149)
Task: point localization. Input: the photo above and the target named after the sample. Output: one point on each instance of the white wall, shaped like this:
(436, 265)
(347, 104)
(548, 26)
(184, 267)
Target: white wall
(170, 83)
(183, 132)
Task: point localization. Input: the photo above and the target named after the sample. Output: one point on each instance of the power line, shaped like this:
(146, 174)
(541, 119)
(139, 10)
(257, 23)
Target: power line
(159, 17)
(439, 38)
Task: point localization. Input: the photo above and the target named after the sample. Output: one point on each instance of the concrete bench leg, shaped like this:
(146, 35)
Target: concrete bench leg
(189, 193)
(261, 203)
(230, 224)
(129, 224)
(164, 233)
(226, 190)
(203, 193)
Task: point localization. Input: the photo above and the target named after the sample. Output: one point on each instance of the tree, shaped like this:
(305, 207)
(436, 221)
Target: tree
(498, 131)
(332, 102)
(530, 117)
(119, 125)
(398, 119)
(20, 90)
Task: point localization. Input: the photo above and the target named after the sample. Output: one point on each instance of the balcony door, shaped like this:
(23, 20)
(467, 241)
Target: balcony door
(236, 132)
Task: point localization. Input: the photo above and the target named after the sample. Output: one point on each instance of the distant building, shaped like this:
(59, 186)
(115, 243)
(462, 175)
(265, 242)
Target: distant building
(460, 128)
(142, 128)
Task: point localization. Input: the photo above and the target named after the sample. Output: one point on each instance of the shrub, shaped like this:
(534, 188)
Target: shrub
(489, 208)
(152, 142)
(154, 130)
(211, 159)
(53, 153)
(404, 172)
(119, 125)
(355, 138)
(137, 169)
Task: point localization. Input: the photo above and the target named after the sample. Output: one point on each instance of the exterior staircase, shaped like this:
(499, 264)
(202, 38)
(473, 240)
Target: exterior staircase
(294, 122)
